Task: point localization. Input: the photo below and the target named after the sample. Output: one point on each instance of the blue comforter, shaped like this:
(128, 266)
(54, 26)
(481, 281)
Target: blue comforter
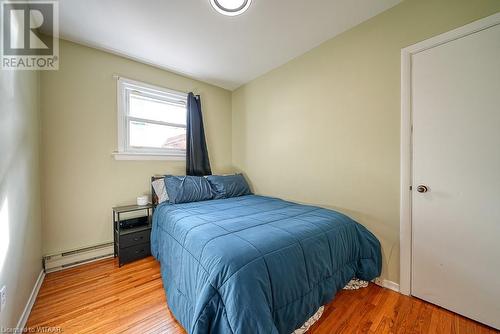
(256, 264)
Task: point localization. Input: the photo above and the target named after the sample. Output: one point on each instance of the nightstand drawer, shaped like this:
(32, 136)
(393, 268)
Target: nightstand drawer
(134, 253)
(132, 239)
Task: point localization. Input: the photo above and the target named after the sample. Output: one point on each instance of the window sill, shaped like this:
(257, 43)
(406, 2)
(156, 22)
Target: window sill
(147, 156)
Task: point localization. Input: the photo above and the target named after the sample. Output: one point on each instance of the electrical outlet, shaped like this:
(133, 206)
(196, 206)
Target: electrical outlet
(3, 297)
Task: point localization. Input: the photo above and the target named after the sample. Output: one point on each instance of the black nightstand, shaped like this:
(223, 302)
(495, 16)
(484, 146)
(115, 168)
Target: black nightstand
(132, 236)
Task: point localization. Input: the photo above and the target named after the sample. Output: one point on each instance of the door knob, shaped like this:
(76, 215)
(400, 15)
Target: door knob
(422, 189)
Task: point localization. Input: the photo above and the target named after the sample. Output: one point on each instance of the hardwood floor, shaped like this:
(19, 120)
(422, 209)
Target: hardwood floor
(102, 298)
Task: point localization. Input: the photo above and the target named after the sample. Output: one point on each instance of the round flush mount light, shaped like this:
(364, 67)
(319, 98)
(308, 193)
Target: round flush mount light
(230, 7)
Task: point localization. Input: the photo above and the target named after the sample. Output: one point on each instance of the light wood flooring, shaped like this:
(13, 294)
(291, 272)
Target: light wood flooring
(102, 298)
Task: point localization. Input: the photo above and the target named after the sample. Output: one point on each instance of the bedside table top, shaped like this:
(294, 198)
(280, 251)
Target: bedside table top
(130, 208)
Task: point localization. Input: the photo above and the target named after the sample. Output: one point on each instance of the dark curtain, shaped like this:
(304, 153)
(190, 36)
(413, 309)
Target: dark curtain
(197, 162)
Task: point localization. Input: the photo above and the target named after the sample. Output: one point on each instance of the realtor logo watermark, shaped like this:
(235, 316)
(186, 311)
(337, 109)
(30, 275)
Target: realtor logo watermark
(30, 35)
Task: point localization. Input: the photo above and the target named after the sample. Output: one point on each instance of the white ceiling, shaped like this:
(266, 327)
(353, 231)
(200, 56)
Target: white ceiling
(189, 37)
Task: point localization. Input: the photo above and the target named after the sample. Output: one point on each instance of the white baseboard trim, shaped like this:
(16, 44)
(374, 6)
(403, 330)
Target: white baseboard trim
(387, 284)
(31, 301)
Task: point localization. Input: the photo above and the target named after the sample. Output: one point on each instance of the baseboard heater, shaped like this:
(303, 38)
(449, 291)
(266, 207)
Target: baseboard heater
(56, 262)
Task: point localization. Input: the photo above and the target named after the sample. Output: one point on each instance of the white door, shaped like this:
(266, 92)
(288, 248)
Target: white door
(456, 155)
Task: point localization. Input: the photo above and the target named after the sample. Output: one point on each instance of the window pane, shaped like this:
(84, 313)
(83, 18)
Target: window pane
(157, 110)
(156, 136)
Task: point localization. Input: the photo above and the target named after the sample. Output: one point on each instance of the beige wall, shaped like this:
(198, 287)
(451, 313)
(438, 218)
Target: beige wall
(81, 180)
(20, 219)
(324, 128)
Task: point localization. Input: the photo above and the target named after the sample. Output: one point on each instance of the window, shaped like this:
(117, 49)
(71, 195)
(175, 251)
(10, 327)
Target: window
(151, 121)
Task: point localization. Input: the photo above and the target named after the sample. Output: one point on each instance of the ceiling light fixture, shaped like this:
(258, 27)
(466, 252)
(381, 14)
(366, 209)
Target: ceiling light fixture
(230, 7)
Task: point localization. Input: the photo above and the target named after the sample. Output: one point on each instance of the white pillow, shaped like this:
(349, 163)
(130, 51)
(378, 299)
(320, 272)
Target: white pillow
(160, 190)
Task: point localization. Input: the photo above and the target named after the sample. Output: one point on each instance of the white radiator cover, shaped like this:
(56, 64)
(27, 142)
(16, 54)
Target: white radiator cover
(68, 259)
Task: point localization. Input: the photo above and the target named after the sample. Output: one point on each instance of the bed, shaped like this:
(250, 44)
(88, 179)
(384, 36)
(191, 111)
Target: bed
(255, 264)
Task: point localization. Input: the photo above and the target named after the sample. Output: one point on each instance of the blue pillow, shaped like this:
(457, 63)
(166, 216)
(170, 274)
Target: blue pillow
(185, 189)
(229, 185)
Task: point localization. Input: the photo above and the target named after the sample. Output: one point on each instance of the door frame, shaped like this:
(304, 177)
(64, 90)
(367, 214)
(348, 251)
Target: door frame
(405, 219)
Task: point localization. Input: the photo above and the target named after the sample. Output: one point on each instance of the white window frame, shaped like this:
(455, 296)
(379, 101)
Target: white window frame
(125, 151)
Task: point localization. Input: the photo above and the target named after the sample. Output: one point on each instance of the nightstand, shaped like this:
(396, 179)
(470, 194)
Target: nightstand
(132, 235)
